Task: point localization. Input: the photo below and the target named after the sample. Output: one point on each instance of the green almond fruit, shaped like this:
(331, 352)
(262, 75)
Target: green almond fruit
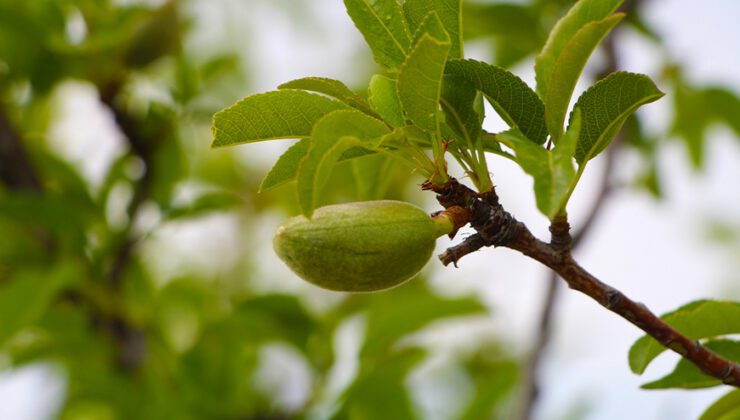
(360, 247)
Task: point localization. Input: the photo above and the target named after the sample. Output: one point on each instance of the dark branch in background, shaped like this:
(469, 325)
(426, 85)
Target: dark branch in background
(16, 171)
(496, 227)
(531, 385)
(531, 389)
(18, 174)
(131, 340)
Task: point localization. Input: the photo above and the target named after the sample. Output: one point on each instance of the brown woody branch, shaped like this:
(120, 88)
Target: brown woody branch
(496, 227)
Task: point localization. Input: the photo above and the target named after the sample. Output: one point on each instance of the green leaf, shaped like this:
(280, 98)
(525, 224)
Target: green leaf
(420, 81)
(725, 408)
(567, 69)
(272, 115)
(512, 99)
(583, 12)
(696, 109)
(383, 97)
(449, 13)
(332, 136)
(725, 106)
(458, 103)
(552, 170)
(330, 87)
(372, 176)
(687, 376)
(28, 293)
(383, 26)
(697, 320)
(286, 167)
(508, 20)
(606, 106)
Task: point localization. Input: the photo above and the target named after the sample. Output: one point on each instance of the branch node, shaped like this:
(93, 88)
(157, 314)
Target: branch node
(613, 298)
(560, 238)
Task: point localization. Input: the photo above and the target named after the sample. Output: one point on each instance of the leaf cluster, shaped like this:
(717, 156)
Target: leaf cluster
(431, 98)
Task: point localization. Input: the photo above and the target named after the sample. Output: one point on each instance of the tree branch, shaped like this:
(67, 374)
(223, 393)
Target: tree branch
(496, 227)
(16, 171)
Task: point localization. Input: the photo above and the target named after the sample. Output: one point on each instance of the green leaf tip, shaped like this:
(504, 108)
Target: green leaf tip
(448, 13)
(606, 106)
(286, 167)
(697, 320)
(330, 87)
(567, 69)
(583, 12)
(513, 100)
(333, 135)
(272, 115)
(382, 24)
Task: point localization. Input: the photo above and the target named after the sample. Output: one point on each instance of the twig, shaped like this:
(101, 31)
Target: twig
(16, 171)
(501, 229)
(131, 340)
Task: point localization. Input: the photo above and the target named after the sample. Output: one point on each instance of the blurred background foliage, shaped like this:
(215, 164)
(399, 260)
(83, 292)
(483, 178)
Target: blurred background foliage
(88, 284)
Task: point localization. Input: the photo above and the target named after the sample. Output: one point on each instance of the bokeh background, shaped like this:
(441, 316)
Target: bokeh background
(137, 278)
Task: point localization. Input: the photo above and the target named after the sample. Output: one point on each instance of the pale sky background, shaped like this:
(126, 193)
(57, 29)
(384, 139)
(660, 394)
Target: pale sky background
(655, 252)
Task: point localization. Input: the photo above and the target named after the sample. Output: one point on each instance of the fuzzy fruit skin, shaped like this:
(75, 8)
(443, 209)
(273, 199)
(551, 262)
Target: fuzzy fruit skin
(358, 247)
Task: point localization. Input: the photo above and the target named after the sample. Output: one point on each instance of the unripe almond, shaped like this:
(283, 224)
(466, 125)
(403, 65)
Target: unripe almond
(360, 247)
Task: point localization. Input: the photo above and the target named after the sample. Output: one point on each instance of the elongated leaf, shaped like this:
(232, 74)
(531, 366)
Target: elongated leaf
(697, 320)
(567, 69)
(606, 105)
(512, 99)
(286, 167)
(687, 376)
(552, 170)
(383, 26)
(332, 136)
(271, 115)
(383, 97)
(725, 408)
(420, 81)
(725, 106)
(696, 109)
(449, 13)
(330, 87)
(583, 12)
